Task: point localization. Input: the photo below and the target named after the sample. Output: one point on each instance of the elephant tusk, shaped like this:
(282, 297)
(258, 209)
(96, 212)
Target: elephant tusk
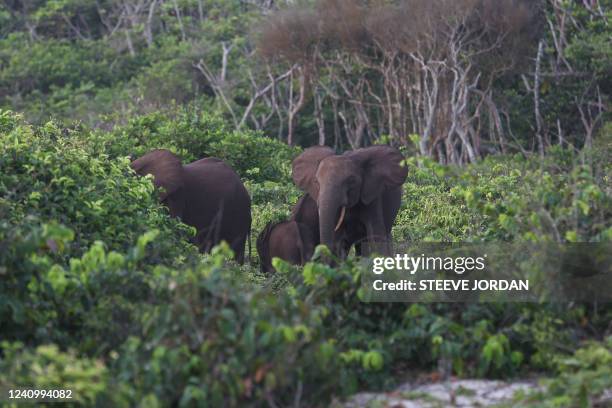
(339, 224)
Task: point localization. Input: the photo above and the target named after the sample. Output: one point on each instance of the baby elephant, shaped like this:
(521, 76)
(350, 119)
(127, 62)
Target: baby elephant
(289, 240)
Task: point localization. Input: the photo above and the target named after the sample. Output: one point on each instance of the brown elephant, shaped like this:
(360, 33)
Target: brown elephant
(348, 234)
(357, 195)
(291, 241)
(306, 212)
(206, 194)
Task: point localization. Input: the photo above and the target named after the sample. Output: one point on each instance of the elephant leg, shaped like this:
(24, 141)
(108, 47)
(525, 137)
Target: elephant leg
(357, 235)
(238, 247)
(232, 225)
(307, 242)
(358, 250)
(208, 232)
(343, 249)
(204, 241)
(390, 204)
(299, 244)
(377, 236)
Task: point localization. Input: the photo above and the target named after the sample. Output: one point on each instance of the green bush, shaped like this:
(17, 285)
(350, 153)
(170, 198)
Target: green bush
(583, 380)
(217, 341)
(42, 64)
(200, 334)
(193, 135)
(51, 173)
(92, 265)
(50, 176)
(430, 212)
(170, 78)
(564, 197)
(63, 79)
(47, 368)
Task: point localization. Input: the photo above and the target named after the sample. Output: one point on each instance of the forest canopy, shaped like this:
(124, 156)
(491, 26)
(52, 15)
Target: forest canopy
(470, 77)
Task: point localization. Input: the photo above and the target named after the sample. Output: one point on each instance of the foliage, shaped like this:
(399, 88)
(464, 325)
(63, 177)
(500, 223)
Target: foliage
(192, 135)
(93, 266)
(564, 197)
(575, 94)
(75, 60)
(52, 173)
(51, 176)
(584, 379)
(174, 326)
(100, 290)
(216, 341)
(47, 368)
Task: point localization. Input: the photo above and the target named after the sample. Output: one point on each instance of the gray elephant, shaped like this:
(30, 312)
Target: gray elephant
(291, 241)
(357, 196)
(206, 194)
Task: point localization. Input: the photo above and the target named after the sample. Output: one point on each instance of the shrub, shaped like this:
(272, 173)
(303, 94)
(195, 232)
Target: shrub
(49, 173)
(193, 135)
(218, 342)
(561, 198)
(50, 176)
(583, 380)
(42, 64)
(198, 335)
(47, 368)
(92, 265)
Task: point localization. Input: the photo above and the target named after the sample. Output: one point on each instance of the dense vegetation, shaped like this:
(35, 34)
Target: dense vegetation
(100, 291)
(103, 295)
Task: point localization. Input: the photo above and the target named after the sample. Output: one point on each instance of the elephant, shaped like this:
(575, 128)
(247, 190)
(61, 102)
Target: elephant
(306, 212)
(206, 194)
(357, 195)
(291, 241)
(350, 233)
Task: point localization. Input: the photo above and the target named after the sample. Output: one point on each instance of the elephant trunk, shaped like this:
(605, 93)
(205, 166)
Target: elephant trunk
(329, 204)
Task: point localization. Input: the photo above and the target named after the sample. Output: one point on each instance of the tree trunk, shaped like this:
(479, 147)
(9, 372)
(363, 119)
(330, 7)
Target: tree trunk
(318, 103)
(148, 32)
(536, 98)
(294, 107)
(177, 11)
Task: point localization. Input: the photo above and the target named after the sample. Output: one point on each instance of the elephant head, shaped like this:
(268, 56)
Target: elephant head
(168, 176)
(355, 181)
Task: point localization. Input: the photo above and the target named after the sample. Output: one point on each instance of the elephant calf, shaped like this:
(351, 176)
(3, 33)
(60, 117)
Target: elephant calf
(291, 241)
(206, 194)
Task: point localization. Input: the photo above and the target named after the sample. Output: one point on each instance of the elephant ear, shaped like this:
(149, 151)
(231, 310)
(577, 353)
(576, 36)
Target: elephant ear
(166, 168)
(381, 170)
(304, 169)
